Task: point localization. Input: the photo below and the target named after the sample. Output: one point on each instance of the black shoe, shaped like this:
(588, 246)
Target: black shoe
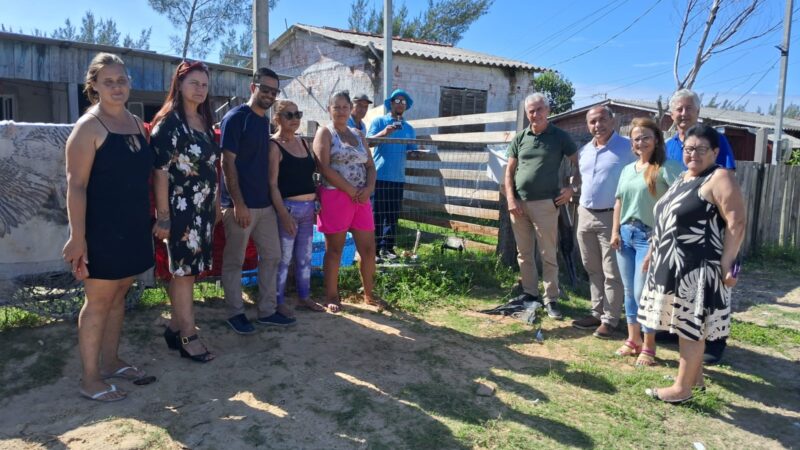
(714, 351)
(553, 312)
(277, 320)
(173, 339)
(241, 325)
(587, 323)
(200, 357)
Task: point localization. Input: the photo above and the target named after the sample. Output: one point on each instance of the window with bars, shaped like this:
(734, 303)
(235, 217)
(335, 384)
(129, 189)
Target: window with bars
(7, 107)
(460, 101)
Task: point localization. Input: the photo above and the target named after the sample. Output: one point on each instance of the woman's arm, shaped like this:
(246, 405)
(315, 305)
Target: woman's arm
(160, 192)
(80, 151)
(615, 224)
(365, 192)
(287, 223)
(322, 148)
(727, 195)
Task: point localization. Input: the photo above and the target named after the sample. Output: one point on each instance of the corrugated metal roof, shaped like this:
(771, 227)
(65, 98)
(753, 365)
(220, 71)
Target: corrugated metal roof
(411, 47)
(749, 119)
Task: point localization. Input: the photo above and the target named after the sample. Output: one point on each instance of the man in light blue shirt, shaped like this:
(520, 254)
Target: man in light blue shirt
(390, 162)
(601, 161)
(684, 106)
(361, 104)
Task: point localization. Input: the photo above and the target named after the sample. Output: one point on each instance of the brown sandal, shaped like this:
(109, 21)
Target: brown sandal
(629, 348)
(310, 305)
(334, 306)
(647, 358)
(378, 303)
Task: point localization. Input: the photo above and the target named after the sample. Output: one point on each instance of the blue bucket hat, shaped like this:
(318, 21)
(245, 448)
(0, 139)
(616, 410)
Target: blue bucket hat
(388, 102)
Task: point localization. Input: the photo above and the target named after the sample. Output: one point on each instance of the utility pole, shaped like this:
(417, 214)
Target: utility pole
(260, 34)
(784, 49)
(387, 48)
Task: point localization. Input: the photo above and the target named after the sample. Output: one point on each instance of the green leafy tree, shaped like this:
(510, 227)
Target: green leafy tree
(237, 49)
(94, 31)
(443, 21)
(558, 89)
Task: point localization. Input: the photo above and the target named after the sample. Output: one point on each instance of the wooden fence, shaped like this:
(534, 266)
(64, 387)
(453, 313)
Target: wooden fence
(449, 187)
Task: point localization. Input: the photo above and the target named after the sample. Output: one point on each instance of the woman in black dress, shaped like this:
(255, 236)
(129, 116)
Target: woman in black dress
(699, 227)
(108, 166)
(187, 205)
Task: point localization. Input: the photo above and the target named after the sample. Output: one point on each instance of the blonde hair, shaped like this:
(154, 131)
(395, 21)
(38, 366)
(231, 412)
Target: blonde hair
(100, 61)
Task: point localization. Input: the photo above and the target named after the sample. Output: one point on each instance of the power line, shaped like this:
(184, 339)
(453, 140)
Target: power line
(635, 21)
(547, 39)
(766, 72)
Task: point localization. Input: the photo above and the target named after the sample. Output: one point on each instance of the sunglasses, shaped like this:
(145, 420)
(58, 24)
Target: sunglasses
(289, 115)
(399, 100)
(264, 89)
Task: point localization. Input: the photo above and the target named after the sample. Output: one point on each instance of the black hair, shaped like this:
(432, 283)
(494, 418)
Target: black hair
(340, 94)
(704, 132)
(264, 72)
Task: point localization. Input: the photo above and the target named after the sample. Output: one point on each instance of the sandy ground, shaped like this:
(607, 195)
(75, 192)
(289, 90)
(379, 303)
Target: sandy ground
(297, 387)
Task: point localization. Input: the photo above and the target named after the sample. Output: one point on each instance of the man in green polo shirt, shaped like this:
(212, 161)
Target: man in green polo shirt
(533, 193)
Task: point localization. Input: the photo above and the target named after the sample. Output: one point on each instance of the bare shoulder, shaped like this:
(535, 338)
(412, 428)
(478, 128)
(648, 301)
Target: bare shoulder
(723, 177)
(88, 127)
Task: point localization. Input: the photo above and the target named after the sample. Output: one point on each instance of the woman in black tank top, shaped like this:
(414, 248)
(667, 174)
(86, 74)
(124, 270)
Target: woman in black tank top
(293, 192)
(108, 166)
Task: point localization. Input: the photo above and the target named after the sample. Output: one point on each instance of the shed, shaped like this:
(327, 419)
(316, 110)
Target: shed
(41, 79)
(443, 80)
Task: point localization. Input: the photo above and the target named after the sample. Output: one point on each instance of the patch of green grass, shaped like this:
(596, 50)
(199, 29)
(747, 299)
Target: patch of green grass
(11, 317)
(773, 257)
(769, 336)
(409, 228)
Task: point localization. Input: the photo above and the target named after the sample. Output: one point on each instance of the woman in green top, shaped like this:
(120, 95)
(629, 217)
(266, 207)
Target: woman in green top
(640, 185)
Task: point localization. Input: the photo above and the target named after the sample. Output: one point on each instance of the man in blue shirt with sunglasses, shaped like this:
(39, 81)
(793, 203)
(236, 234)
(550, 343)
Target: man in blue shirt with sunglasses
(390, 162)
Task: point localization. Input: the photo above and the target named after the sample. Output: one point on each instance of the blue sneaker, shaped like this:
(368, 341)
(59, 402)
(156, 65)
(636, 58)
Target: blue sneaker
(241, 325)
(277, 320)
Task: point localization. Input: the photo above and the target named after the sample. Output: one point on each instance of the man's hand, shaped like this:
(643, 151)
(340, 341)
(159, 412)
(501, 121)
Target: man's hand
(515, 207)
(242, 215)
(565, 197)
(288, 224)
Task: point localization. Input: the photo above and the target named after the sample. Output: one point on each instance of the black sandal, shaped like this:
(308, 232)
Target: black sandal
(201, 357)
(172, 338)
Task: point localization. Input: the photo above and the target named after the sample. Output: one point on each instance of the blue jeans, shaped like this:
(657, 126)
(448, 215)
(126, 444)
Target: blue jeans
(298, 246)
(634, 244)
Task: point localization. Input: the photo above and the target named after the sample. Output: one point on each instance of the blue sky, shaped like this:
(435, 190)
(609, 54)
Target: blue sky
(630, 43)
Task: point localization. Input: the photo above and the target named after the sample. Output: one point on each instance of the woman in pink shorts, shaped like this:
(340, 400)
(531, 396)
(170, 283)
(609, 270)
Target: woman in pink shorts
(348, 175)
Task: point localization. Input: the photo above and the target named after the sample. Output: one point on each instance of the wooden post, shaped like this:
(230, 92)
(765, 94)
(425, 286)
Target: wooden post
(506, 244)
(762, 143)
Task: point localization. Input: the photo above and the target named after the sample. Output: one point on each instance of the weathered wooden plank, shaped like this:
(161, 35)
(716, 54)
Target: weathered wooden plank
(40, 61)
(455, 225)
(466, 193)
(6, 59)
(469, 119)
(469, 175)
(23, 61)
(466, 211)
(777, 203)
(486, 137)
(763, 219)
(136, 70)
(457, 201)
(439, 181)
(454, 165)
(448, 155)
(151, 75)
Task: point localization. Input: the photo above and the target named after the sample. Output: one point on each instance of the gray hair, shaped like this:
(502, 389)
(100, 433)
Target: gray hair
(605, 108)
(537, 97)
(684, 93)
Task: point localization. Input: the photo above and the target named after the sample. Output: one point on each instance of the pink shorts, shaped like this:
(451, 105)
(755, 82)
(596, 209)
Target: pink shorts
(340, 213)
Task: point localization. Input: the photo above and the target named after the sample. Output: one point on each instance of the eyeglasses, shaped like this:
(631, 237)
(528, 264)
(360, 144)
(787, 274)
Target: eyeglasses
(701, 150)
(399, 101)
(643, 139)
(264, 89)
(290, 115)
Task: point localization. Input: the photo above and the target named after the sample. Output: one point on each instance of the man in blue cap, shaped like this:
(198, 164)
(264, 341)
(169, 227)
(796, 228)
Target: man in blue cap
(390, 162)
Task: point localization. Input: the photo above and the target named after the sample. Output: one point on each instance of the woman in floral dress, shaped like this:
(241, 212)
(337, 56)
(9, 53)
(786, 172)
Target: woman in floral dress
(187, 205)
(699, 227)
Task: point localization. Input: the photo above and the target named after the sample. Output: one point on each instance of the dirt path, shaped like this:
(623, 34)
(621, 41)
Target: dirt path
(363, 380)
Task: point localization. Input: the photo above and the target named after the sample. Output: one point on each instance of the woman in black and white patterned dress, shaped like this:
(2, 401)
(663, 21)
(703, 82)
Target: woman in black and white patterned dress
(699, 228)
